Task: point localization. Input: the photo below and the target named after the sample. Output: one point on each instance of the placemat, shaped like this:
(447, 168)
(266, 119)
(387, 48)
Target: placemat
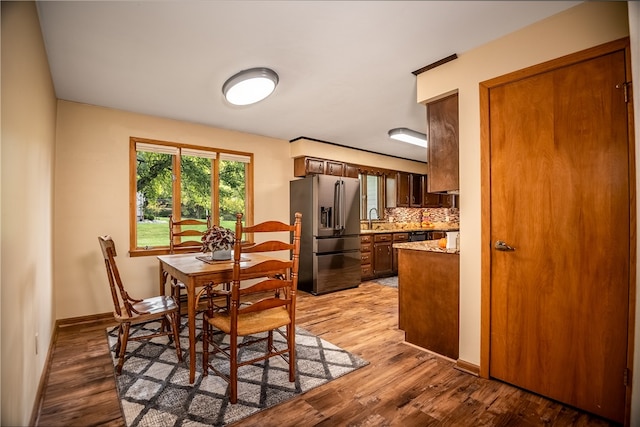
(208, 260)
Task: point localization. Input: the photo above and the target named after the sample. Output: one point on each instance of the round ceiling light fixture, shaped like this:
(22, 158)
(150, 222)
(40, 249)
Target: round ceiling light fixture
(250, 86)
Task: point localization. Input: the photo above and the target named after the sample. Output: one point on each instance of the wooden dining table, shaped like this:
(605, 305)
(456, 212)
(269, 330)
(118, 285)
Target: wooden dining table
(191, 270)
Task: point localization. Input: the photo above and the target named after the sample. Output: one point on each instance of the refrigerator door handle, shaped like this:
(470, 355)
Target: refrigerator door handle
(338, 203)
(343, 209)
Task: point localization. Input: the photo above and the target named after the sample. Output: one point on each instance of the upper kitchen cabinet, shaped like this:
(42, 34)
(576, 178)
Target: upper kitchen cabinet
(442, 124)
(303, 166)
(409, 190)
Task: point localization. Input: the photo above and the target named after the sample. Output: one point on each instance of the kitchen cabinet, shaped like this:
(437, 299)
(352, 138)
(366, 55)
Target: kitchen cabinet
(428, 295)
(366, 256)
(397, 238)
(350, 171)
(303, 166)
(382, 256)
(333, 168)
(408, 190)
(429, 200)
(442, 125)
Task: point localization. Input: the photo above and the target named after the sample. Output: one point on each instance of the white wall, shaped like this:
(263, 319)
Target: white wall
(92, 196)
(28, 136)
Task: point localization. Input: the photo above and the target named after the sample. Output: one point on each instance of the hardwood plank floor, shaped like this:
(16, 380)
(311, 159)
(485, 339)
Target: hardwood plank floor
(402, 385)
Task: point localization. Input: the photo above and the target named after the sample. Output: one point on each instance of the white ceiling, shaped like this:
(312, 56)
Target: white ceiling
(344, 66)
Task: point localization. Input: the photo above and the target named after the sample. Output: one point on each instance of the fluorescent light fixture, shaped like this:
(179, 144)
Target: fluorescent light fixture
(250, 86)
(408, 135)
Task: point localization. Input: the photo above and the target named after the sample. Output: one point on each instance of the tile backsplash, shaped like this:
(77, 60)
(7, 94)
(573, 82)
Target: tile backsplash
(430, 214)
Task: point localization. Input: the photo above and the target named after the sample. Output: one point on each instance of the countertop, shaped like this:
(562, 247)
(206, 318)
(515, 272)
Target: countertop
(425, 245)
(403, 227)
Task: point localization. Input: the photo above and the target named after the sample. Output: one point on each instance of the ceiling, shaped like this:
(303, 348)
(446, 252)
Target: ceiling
(345, 67)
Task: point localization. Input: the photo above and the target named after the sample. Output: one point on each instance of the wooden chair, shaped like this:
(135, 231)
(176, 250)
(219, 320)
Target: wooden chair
(130, 311)
(184, 240)
(256, 308)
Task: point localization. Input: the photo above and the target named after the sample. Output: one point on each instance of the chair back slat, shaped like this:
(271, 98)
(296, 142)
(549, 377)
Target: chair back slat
(177, 234)
(268, 246)
(262, 305)
(265, 285)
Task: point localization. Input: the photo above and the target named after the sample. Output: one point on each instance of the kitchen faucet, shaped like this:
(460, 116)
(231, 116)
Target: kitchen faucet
(377, 216)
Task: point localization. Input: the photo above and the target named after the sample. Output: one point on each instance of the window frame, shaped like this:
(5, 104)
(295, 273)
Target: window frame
(380, 194)
(134, 250)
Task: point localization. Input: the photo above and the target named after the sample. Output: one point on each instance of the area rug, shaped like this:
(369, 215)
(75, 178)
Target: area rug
(154, 387)
(388, 281)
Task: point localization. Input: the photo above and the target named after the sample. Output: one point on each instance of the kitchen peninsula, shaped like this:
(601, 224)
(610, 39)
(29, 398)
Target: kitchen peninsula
(428, 296)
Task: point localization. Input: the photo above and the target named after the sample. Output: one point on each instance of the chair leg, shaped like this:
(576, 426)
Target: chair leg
(175, 327)
(123, 346)
(119, 342)
(233, 370)
(205, 344)
(291, 342)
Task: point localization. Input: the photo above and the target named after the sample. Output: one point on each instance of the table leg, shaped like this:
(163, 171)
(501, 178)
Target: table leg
(162, 278)
(191, 310)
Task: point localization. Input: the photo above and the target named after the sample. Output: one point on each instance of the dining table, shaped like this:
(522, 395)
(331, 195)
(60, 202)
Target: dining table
(196, 270)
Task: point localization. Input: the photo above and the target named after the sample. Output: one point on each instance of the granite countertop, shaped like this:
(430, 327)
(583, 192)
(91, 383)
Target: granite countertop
(400, 227)
(425, 245)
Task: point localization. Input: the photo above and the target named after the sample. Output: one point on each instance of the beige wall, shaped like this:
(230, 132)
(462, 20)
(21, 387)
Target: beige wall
(305, 147)
(92, 196)
(583, 26)
(28, 137)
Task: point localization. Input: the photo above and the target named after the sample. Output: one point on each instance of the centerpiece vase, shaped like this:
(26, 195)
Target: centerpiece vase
(220, 254)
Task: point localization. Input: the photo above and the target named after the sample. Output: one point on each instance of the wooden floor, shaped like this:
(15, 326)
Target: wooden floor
(402, 385)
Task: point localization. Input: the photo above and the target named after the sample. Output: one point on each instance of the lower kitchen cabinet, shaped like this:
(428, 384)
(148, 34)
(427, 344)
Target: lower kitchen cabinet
(398, 238)
(428, 296)
(366, 257)
(382, 255)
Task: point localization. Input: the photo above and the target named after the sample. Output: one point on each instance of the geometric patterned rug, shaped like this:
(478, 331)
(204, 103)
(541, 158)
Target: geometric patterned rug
(154, 387)
(388, 281)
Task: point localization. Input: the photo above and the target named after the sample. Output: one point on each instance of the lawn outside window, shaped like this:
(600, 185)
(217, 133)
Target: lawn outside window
(188, 182)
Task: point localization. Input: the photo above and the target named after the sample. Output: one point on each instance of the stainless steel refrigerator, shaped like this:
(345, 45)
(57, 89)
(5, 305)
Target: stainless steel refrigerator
(330, 241)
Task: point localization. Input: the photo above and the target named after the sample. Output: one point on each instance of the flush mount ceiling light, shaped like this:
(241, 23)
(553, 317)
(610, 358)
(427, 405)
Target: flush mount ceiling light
(250, 86)
(408, 135)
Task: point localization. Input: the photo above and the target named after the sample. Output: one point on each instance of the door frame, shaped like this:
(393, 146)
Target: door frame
(485, 188)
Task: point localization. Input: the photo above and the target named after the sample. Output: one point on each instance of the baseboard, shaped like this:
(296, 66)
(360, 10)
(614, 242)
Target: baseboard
(83, 319)
(467, 367)
(44, 377)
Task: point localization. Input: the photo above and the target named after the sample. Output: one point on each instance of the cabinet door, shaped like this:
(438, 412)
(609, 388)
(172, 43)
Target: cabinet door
(382, 258)
(403, 195)
(416, 184)
(334, 168)
(429, 200)
(442, 122)
(314, 166)
(350, 171)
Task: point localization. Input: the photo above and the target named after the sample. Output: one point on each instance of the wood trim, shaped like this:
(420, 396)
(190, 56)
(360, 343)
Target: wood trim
(467, 367)
(485, 144)
(435, 64)
(44, 378)
(485, 232)
(563, 61)
(633, 224)
(70, 321)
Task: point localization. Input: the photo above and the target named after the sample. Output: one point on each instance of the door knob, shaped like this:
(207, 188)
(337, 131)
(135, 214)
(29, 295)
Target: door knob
(502, 246)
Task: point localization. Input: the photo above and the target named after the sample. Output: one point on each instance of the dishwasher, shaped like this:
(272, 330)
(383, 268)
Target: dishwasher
(419, 236)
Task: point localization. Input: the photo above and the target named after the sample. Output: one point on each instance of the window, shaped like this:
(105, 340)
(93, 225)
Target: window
(186, 182)
(372, 195)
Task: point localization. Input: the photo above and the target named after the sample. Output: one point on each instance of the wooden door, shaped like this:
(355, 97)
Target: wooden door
(560, 195)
